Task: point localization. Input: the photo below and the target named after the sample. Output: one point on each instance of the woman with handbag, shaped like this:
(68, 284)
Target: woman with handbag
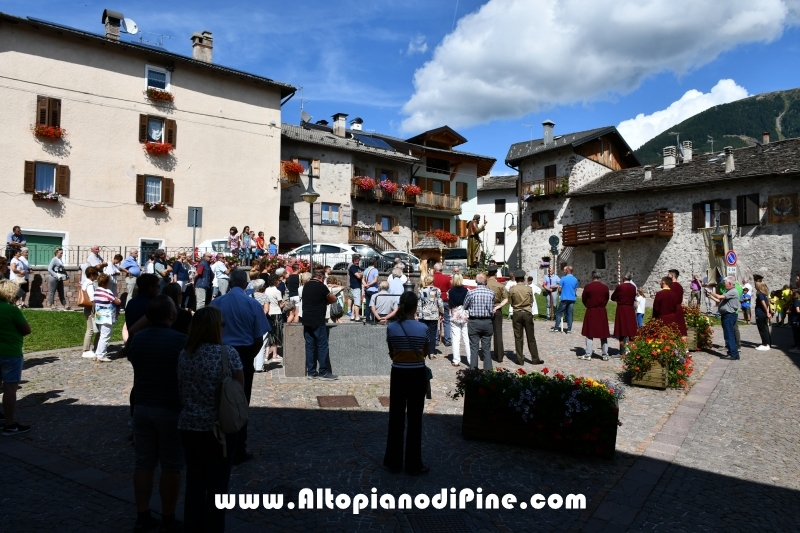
(22, 272)
(200, 375)
(86, 300)
(408, 341)
(458, 318)
(274, 310)
(430, 312)
(58, 275)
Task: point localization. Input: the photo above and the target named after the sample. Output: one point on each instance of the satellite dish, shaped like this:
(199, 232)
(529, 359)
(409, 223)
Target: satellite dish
(305, 117)
(130, 26)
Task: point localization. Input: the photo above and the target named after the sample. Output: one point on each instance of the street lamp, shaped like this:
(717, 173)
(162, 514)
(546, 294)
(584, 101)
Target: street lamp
(310, 196)
(513, 228)
(718, 230)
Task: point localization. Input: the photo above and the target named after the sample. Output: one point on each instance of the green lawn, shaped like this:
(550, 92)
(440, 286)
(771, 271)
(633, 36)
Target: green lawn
(579, 310)
(51, 330)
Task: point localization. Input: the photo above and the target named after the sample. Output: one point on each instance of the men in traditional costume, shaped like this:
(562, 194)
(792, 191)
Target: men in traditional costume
(677, 289)
(595, 323)
(666, 304)
(625, 319)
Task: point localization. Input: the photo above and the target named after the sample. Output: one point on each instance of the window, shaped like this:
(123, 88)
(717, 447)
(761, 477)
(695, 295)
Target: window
(431, 223)
(437, 223)
(358, 171)
(499, 238)
(387, 223)
(329, 249)
(48, 111)
(46, 177)
(598, 213)
(285, 212)
(550, 171)
(157, 130)
(441, 166)
(704, 214)
(306, 165)
(499, 206)
(543, 219)
(330, 214)
(747, 210)
(157, 78)
(461, 191)
(383, 175)
(600, 259)
(154, 189)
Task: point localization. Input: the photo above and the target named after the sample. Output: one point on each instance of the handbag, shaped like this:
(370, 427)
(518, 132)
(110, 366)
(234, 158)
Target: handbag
(459, 315)
(84, 300)
(232, 409)
(428, 371)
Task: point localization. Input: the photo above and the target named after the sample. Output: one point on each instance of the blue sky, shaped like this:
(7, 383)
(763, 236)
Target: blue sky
(485, 68)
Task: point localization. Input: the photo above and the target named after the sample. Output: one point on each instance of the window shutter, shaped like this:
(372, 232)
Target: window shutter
(535, 220)
(140, 188)
(172, 132)
(725, 207)
(697, 216)
(62, 179)
(751, 208)
(353, 215)
(346, 215)
(41, 110)
(378, 223)
(54, 105)
(29, 183)
(167, 191)
(462, 228)
(551, 219)
(315, 167)
(142, 130)
(316, 213)
(395, 224)
(446, 187)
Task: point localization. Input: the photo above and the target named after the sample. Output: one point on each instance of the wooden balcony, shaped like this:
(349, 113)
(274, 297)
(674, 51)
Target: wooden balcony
(419, 235)
(649, 224)
(439, 202)
(425, 200)
(533, 190)
(379, 195)
(370, 237)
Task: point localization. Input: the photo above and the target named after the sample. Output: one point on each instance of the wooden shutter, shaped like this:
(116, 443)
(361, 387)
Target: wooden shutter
(395, 224)
(142, 129)
(378, 223)
(316, 213)
(62, 179)
(171, 128)
(353, 215)
(446, 187)
(550, 171)
(725, 207)
(346, 215)
(140, 188)
(535, 220)
(697, 216)
(461, 226)
(167, 191)
(551, 219)
(461, 191)
(315, 168)
(54, 106)
(751, 208)
(29, 184)
(41, 110)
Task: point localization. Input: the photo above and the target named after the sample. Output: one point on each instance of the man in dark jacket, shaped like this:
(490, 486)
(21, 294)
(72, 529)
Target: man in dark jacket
(595, 322)
(202, 281)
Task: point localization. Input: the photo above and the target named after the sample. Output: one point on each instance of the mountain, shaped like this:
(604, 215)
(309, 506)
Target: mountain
(736, 124)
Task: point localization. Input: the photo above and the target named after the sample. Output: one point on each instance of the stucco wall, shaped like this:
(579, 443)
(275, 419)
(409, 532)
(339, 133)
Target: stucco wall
(226, 148)
(494, 222)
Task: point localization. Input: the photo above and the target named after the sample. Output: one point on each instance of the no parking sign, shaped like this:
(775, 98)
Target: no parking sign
(731, 258)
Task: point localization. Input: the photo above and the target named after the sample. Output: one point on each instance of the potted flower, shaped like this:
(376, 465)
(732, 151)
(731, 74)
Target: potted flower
(657, 357)
(364, 225)
(389, 187)
(698, 329)
(51, 133)
(158, 148)
(562, 187)
(537, 191)
(46, 196)
(563, 413)
(445, 236)
(293, 167)
(365, 183)
(158, 95)
(411, 190)
(154, 206)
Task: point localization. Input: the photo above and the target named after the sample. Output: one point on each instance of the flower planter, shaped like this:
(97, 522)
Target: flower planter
(157, 95)
(691, 339)
(158, 149)
(655, 378)
(48, 200)
(51, 133)
(159, 208)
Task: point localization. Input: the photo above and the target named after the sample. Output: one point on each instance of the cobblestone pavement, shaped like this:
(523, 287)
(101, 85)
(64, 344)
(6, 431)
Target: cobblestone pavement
(723, 454)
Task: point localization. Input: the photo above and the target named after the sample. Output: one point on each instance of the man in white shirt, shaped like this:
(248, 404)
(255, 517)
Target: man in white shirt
(221, 272)
(510, 283)
(550, 284)
(94, 260)
(396, 281)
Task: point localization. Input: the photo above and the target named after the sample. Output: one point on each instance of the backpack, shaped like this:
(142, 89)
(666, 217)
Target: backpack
(232, 409)
(336, 310)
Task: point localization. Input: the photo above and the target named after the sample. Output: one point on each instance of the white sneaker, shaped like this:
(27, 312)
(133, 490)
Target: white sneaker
(587, 357)
(89, 355)
(103, 359)
(794, 350)
(762, 348)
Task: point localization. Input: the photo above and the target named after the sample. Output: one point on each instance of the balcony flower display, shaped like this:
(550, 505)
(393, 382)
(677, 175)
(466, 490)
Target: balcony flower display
(389, 186)
(47, 196)
(292, 167)
(51, 133)
(154, 206)
(659, 345)
(158, 148)
(365, 183)
(411, 190)
(157, 95)
(364, 225)
(445, 236)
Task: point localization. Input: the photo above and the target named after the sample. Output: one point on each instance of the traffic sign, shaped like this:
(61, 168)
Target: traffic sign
(731, 271)
(731, 258)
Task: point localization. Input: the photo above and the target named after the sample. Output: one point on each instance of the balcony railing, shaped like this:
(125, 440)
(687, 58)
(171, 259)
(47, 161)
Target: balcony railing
(425, 199)
(439, 202)
(532, 190)
(649, 224)
(369, 237)
(380, 195)
(419, 235)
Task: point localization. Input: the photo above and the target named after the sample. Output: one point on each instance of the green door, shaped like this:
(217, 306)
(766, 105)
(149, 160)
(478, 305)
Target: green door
(41, 249)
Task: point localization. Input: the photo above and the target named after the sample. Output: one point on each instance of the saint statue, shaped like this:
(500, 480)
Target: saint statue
(474, 241)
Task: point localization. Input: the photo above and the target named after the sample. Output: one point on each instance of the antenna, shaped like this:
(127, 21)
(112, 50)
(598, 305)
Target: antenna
(678, 141)
(130, 26)
(531, 127)
(305, 117)
(711, 140)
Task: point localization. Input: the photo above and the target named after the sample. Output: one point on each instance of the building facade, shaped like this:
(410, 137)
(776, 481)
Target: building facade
(89, 116)
(497, 202)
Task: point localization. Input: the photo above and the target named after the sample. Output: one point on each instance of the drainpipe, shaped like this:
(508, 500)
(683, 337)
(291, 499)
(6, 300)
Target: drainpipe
(519, 216)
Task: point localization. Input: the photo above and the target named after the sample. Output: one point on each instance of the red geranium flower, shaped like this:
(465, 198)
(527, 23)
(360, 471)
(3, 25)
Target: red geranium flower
(545, 371)
(521, 372)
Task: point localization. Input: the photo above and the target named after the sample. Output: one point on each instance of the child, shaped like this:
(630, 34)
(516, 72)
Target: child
(640, 301)
(745, 304)
(776, 303)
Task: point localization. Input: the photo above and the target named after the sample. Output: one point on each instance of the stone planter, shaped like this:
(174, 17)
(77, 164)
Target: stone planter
(655, 378)
(586, 436)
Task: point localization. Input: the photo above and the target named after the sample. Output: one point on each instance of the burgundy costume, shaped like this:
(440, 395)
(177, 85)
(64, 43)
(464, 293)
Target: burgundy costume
(680, 319)
(664, 306)
(625, 318)
(595, 298)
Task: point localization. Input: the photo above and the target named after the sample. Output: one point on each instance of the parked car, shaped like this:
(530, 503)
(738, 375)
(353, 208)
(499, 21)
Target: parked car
(456, 257)
(406, 258)
(340, 256)
(214, 245)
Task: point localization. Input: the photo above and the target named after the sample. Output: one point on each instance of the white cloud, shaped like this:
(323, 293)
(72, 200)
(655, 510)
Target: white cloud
(417, 45)
(641, 129)
(513, 57)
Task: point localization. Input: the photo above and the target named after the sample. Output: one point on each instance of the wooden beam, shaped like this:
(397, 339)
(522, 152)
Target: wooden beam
(455, 171)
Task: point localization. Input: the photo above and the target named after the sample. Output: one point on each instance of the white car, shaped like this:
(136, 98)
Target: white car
(406, 258)
(456, 257)
(340, 256)
(214, 245)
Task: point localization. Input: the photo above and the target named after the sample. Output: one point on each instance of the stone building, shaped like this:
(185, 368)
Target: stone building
(348, 213)
(497, 201)
(116, 97)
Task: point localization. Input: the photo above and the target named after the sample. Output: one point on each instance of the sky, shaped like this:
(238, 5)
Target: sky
(492, 70)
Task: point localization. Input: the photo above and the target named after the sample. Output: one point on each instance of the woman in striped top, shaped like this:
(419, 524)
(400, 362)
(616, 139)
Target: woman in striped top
(408, 343)
(105, 314)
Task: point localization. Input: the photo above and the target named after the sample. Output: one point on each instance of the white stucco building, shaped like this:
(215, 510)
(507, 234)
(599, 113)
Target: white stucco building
(497, 201)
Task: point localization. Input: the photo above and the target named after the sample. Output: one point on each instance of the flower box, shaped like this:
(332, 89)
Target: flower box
(51, 133)
(658, 350)
(46, 196)
(293, 167)
(364, 183)
(157, 95)
(158, 148)
(154, 206)
(411, 190)
(563, 413)
(655, 378)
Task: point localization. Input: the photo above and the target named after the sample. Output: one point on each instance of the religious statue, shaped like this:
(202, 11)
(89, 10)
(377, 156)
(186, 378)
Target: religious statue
(474, 241)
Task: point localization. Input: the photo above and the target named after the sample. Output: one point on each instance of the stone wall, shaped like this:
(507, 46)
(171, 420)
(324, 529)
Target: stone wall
(40, 286)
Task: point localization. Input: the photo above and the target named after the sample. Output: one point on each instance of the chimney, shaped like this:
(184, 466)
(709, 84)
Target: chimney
(729, 166)
(548, 126)
(687, 151)
(356, 124)
(112, 20)
(202, 46)
(669, 157)
(648, 173)
(340, 124)
(765, 138)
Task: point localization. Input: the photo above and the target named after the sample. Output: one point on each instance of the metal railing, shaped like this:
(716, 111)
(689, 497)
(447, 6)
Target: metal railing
(74, 255)
(651, 223)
